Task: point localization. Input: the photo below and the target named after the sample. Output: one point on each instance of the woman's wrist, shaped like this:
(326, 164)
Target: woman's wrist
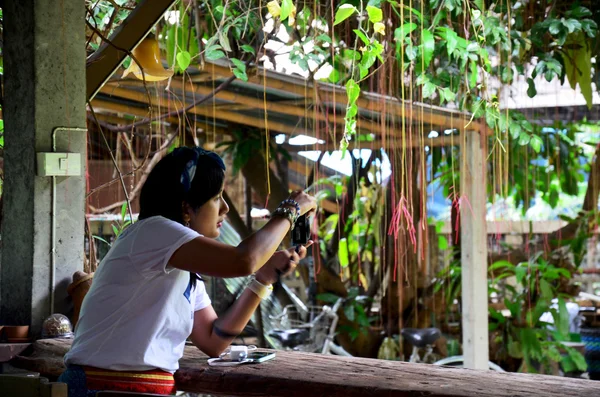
(263, 291)
(263, 279)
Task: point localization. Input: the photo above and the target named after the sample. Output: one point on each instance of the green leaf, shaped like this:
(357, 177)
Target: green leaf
(328, 297)
(363, 71)
(578, 359)
(514, 349)
(579, 12)
(451, 41)
(171, 38)
(123, 210)
(353, 91)
(546, 290)
(531, 91)
(239, 64)
(249, 49)
(536, 143)
(343, 253)
(442, 243)
(349, 312)
(101, 239)
(589, 27)
(214, 52)
(567, 364)
(555, 27)
(362, 36)
(344, 12)
(428, 45)
(401, 32)
(286, 9)
(473, 75)
(368, 60)
(515, 130)
(448, 94)
(563, 316)
(224, 41)
(571, 24)
(324, 38)
(183, 60)
(524, 139)
(520, 273)
(501, 264)
(375, 14)
(240, 74)
(514, 307)
(428, 90)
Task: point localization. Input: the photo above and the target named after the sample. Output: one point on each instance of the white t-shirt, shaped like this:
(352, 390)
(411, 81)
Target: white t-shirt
(139, 310)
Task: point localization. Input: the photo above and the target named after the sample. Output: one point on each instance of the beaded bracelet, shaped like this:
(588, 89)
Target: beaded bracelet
(291, 202)
(286, 213)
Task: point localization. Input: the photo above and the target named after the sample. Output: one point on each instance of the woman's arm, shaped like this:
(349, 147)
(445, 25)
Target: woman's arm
(213, 341)
(209, 257)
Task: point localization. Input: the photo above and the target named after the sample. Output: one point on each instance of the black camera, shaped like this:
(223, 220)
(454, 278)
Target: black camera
(301, 231)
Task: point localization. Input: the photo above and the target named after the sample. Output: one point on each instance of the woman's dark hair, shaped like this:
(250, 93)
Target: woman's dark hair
(169, 184)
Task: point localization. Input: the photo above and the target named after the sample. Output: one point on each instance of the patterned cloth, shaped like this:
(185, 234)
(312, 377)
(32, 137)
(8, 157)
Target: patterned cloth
(87, 381)
(187, 176)
(591, 338)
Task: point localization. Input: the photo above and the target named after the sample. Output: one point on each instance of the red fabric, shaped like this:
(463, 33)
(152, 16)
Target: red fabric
(153, 381)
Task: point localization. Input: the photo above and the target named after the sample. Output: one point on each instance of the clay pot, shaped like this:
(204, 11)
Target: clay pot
(16, 333)
(77, 290)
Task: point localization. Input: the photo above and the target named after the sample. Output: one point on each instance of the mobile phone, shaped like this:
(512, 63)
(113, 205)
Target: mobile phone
(259, 357)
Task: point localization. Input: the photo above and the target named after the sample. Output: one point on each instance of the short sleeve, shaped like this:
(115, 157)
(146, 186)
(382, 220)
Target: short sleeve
(155, 241)
(202, 299)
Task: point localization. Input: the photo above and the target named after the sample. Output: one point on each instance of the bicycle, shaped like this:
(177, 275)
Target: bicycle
(312, 329)
(308, 329)
(424, 338)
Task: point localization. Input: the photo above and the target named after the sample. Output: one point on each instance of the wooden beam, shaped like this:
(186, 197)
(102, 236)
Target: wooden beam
(393, 141)
(416, 112)
(207, 111)
(295, 374)
(473, 240)
(415, 142)
(307, 111)
(107, 59)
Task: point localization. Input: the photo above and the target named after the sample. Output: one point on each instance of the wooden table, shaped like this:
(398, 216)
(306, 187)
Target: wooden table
(307, 375)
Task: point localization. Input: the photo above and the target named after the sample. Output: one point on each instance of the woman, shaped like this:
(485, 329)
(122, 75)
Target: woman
(147, 299)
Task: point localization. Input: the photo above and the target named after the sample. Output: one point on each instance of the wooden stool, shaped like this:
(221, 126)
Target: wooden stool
(31, 386)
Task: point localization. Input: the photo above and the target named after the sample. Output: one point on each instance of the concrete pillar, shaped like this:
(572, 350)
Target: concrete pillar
(45, 88)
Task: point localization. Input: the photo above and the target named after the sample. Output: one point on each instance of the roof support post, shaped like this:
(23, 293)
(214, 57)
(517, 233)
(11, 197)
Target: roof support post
(474, 251)
(44, 109)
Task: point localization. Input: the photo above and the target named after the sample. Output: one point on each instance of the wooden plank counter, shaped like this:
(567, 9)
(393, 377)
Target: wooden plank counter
(303, 374)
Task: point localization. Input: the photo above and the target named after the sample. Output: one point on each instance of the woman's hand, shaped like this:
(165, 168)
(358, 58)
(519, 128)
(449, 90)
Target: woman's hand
(281, 263)
(306, 202)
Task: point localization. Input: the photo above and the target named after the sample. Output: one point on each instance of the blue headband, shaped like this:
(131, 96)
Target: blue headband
(187, 176)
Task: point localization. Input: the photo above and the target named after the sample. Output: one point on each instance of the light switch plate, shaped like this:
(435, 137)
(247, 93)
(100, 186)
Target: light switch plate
(59, 164)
